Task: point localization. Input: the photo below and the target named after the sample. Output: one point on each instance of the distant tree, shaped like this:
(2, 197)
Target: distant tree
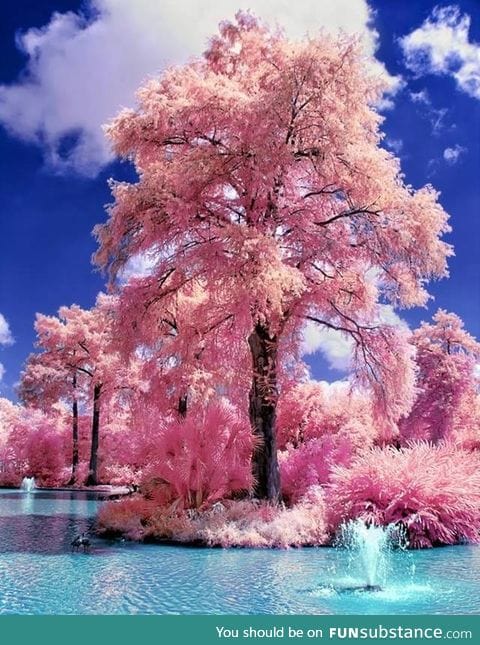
(51, 376)
(446, 406)
(77, 359)
(262, 181)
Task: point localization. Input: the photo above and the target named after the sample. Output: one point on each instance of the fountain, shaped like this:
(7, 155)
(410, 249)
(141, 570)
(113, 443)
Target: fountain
(369, 550)
(28, 484)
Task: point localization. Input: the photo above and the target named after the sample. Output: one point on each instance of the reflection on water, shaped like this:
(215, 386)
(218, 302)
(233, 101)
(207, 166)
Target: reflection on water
(39, 574)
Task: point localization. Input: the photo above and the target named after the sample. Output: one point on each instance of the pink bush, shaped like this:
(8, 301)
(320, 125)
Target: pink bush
(202, 458)
(266, 526)
(312, 462)
(433, 491)
(44, 457)
(245, 523)
(127, 517)
(321, 426)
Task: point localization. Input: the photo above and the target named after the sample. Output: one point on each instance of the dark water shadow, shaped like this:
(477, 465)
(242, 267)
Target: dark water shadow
(45, 534)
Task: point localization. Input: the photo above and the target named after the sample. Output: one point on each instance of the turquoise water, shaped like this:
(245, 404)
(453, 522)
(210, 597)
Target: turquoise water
(40, 575)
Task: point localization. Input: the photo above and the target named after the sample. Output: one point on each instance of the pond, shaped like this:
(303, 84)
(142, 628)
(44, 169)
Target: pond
(40, 575)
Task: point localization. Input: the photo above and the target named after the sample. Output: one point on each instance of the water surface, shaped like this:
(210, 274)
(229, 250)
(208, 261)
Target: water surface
(40, 575)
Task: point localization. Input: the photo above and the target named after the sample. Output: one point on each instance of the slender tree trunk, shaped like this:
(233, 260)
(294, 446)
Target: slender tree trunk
(182, 406)
(263, 404)
(92, 467)
(74, 431)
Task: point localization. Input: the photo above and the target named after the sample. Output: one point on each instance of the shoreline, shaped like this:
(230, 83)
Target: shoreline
(108, 490)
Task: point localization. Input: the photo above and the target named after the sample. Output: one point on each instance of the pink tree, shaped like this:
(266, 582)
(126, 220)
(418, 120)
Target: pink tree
(50, 376)
(78, 359)
(262, 181)
(179, 349)
(446, 406)
(31, 443)
(9, 414)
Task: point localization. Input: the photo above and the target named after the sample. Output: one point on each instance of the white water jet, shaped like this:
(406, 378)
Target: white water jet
(28, 484)
(370, 551)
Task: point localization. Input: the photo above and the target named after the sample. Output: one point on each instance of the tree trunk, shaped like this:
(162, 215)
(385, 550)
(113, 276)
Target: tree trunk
(263, 405)
(92, 467)
(182, 406)
(74, 431)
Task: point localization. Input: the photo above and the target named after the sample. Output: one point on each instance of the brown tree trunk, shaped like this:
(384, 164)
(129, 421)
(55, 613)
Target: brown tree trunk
(263, 404)
(74, 432)
(92, 467)
(182, 406)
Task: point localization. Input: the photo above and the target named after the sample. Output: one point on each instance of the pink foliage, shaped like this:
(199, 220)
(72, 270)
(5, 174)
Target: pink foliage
(315, 409)
(320, 426)
(32, 444)
(311, 463)
(231, 523)
(127, 517)
(44, 456)
(282, 220)
(433, 491)
(202, 458)
(446, 406)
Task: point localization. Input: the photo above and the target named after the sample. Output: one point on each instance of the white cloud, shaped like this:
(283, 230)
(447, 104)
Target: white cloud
(6, 337)
(451, 155)
(395, 145)
(80, 72)
(336, 347)
(442, 46)
(436, 116)
(137, 266)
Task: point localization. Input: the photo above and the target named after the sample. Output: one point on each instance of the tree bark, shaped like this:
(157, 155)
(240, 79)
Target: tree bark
(92, 467)
(74, 431)
(262, 408)
(182, 406)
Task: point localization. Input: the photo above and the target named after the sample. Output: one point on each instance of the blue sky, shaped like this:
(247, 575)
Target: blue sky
(66, 67)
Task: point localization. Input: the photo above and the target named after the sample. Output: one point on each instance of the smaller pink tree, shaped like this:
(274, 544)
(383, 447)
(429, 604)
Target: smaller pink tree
(32, 444)
(446, 406)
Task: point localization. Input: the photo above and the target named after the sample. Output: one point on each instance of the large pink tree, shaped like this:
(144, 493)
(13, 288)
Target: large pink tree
(263, 181)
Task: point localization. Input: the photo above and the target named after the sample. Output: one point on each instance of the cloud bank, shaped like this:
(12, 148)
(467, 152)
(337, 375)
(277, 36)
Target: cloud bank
(81, 68)
(441, 45)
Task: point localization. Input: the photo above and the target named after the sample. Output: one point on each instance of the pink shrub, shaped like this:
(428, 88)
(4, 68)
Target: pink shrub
(126, 517)
(118, 475)
(321, 426)
(202, 458)
(44, 457)
(433, 491)
(265, 526)
(243, 523)
(312, 462)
